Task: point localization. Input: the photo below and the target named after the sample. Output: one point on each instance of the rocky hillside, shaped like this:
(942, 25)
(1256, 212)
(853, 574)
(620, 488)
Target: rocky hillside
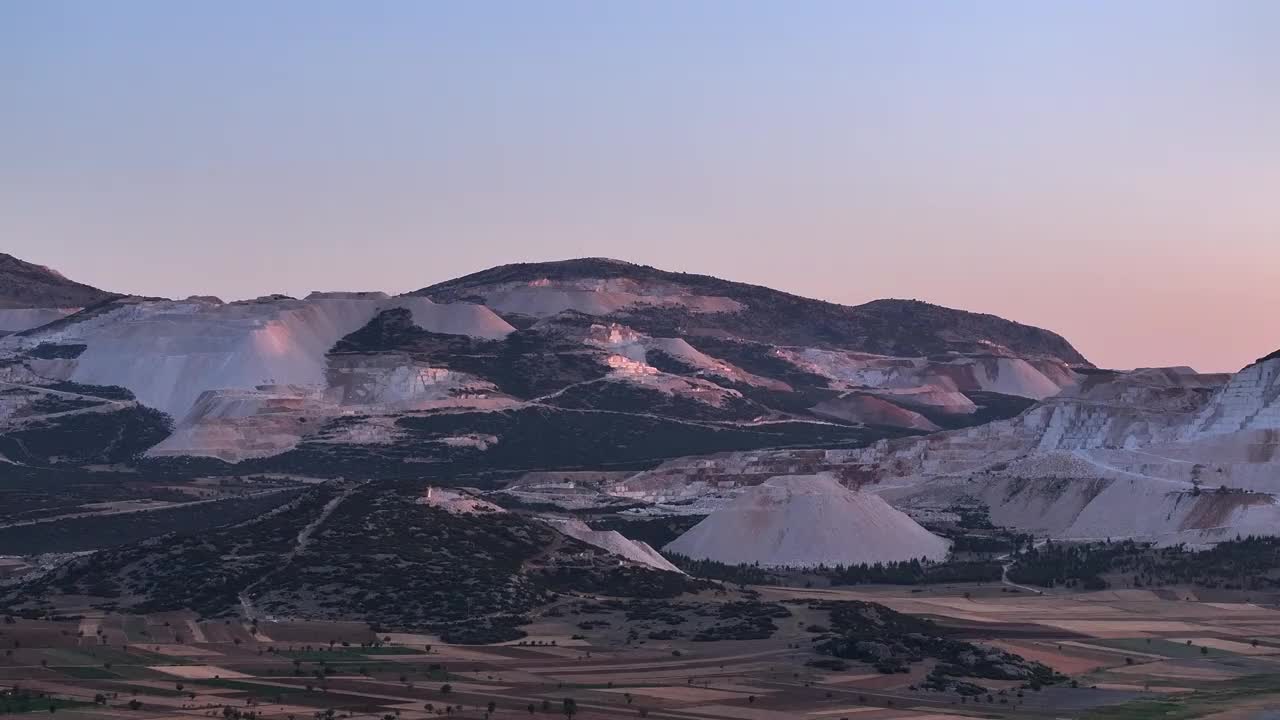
(659, 302)
(623, 365)
(26, 285)
(1166, 455)
(33, 295)
(354, 552)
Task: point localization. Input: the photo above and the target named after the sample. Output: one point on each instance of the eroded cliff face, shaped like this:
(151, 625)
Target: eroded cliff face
(1249, 402)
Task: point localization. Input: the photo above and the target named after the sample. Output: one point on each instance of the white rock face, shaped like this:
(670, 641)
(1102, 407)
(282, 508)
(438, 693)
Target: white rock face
(939, 383)
(16, 320)
(235, 425)
(614, 542)
(1116, 455)
(807, 520)
(394, 381)
(637, 348)
(1250, 401)
(168, 353)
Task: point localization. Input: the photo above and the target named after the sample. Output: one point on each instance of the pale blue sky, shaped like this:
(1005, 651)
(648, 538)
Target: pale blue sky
(1110, 170)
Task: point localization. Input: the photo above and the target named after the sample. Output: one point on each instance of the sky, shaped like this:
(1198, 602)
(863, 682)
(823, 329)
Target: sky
(1107, 170)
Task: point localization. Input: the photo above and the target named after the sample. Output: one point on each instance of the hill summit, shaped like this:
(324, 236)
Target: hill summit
(660, 302)
(27, 285)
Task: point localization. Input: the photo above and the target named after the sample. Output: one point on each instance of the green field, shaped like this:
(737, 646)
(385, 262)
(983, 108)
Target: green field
(1197, 704)
(1158, 646)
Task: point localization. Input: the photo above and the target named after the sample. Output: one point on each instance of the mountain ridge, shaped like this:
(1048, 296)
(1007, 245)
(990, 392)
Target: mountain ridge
(25, 285)
(885, 326)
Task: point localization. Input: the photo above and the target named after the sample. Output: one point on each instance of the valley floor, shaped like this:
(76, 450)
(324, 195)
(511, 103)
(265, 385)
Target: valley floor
(1130, 654)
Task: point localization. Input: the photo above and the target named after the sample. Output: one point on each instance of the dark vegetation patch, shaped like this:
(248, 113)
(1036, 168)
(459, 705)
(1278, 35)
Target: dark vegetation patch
(113, 436)
(1250, 563)
(757, 358)
(384, 559)
(991, 407)
(656, 531)
(619, 581)
(27, 493)
(105, 392)
(650, 619)
(891, 642)
(55, 351)
(712, 570)
(908, 572)
(745, 620)
(912, 572)
(630, 398)
(106, 531)
(378, 557)
(526, 364)
(203, 572)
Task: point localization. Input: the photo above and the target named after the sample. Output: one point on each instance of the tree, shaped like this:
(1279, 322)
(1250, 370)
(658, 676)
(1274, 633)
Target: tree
(492, 706)
(532, 708)
(135, 705)
(445, 689)
(569, 706)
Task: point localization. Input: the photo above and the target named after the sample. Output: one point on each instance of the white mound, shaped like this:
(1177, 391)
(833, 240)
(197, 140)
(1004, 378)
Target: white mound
(614, 542)
(455, 318)
(1009, 376)
(808, 520)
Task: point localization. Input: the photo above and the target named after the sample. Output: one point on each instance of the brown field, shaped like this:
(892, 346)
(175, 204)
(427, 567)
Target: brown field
(1068, 660)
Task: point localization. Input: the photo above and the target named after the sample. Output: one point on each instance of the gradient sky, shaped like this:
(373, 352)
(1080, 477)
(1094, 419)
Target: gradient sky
(1108, 170)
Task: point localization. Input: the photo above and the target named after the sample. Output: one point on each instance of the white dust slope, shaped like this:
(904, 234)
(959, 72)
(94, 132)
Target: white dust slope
(614, 542)
(171, 352)
(14, 320)
(808, 520)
